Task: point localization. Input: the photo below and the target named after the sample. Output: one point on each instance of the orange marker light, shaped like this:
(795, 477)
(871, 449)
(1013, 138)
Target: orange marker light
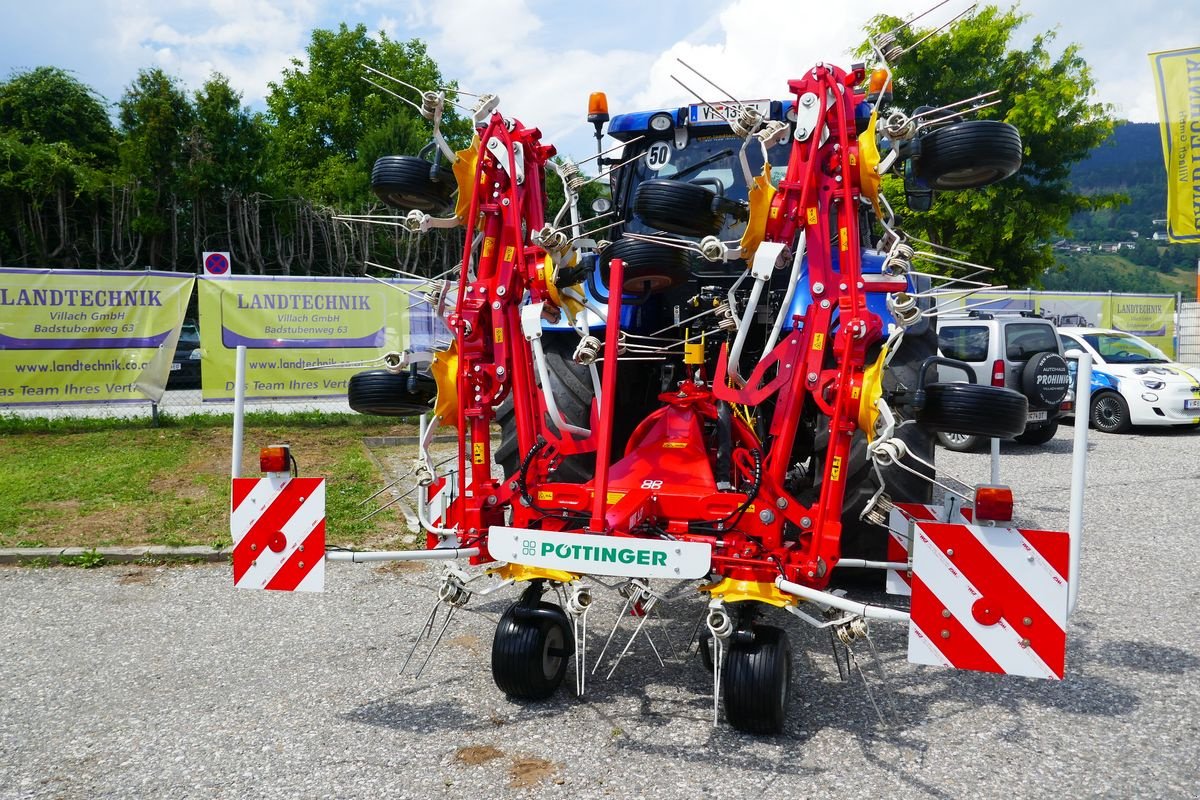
(879, 82)
(597, 107)
(993, 504)
(276, 458)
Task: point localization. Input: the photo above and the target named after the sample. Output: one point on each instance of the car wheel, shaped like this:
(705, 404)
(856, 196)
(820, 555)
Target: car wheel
(959, 442)
(1110, 413)
(1039, 435)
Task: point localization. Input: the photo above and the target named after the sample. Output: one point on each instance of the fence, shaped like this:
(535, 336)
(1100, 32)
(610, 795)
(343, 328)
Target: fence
(1189, 333)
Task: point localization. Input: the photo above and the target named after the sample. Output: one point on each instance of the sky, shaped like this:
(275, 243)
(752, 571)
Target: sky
(543, 57)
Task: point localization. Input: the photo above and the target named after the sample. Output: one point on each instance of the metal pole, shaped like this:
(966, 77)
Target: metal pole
(1083, 407)
(836, 601)
(608, 402)
(995, 461)
(361, 557)
(239, 411)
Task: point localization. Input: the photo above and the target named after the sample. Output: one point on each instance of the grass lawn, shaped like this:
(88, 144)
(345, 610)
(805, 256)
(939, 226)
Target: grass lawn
(105, 483)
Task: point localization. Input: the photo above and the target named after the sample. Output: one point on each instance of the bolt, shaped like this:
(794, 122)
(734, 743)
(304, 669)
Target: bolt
(253, 547)
(805, 522)
(504, 202)
(301, 565)
(500, 290)
(1027, 621)
(945, 634)
(824, 304)
(496, 305)
(478, 398)
(818, 288)
(301, 548)
(812, 574)
(1024, 643)
(491, 499)
(499, 372)
(766, 516)
(470, 289)
(807, 100)
(842, 287)
(812, 377)
(478, 368)
(782, 503)
(946, 613)
(950, 551)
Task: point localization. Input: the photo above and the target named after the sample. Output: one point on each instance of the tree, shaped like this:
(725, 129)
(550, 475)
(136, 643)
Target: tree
(1009, 225)
(156, 119)
(330, 125)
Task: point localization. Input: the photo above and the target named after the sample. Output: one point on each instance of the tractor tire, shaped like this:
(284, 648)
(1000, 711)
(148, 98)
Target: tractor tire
(677, 207)
(408, 182)
(988, 411)
(388, 394)
(530, 653)
(757, 680)
(1110, 413)
(649, 267)
(968, 155)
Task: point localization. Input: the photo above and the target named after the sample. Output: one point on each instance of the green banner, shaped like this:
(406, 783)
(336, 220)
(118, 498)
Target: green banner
(86, 336)
(296, 330)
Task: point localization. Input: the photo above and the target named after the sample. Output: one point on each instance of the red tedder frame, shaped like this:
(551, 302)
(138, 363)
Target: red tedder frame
(663, 486)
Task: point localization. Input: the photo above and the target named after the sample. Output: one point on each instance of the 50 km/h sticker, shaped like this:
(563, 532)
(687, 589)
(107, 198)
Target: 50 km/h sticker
(600, 555)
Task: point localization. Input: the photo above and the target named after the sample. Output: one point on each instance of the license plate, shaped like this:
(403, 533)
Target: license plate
(1191, 405)
(176, 366)
(721, 113)
(1038, 416)
(587, 553)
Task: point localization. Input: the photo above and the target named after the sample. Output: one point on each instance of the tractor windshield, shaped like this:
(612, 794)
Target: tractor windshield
(710, 161)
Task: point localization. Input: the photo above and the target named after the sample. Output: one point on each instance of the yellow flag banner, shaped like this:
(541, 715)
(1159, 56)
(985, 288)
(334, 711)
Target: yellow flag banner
(88, 336)
(1177, 85)
(296, 332)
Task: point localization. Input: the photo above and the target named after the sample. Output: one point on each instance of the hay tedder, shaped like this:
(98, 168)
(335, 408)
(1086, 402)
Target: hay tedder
(739, 390)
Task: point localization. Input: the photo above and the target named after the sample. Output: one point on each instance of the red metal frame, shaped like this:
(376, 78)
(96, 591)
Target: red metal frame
(664, 483)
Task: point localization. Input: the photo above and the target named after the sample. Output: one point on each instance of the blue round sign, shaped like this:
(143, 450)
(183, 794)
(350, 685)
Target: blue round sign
(216, 264)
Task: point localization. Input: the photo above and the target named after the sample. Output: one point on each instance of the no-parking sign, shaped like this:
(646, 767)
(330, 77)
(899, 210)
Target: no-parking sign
(216, 264)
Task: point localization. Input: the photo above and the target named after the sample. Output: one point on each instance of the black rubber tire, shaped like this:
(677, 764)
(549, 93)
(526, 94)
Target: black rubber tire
(1110, 413)
(649, 267)
(409, 182)
(988, 411)
(756, 681)
(387, 394)
(960, 442)
(967, 155)
(1039, 435)
(530, 654)
(1045, 380)
(677, 207)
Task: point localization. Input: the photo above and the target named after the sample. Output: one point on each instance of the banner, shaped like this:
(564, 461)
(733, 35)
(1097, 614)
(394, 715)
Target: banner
(296, 330)
(1177, 84)
(1150, 316)
(86, 336)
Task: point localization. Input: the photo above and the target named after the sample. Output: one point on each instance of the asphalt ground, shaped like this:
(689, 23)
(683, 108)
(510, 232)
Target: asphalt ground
(166, 682)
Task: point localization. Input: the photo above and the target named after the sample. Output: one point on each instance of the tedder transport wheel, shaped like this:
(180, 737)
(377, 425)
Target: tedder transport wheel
(677, 207)
(388, 394)
(530, 650)
(988, 411)
(757, 680)
(969, 154)
(649, 267)
(408, 182)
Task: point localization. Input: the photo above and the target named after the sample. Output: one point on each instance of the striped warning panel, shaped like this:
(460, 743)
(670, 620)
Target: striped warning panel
(989, 599)
(278, 529)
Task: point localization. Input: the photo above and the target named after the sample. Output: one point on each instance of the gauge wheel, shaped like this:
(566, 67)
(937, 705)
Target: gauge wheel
(408, 182)
(677, 207)
(530, 650)
(1110, 413)
(1039, 435)
(389, 394)
(968, 155)
(959, 442)
(757, 680)
(650, 268)
(967, 408)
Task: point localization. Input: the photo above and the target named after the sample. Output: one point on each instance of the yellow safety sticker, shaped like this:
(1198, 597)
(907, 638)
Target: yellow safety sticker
(845, 239)
(489, 246)
(499, 336)
(509, 252)
(774, 212)
(477, 453)
(614, 497)
(818, 341)
(853, 160)
(836, 472)
(544, 495)
(675, 445)
(855, 392)
(812, 216)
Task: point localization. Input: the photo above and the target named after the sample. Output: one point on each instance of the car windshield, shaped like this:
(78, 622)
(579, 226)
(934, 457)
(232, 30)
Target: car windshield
(1121, 348)
(709, 161)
